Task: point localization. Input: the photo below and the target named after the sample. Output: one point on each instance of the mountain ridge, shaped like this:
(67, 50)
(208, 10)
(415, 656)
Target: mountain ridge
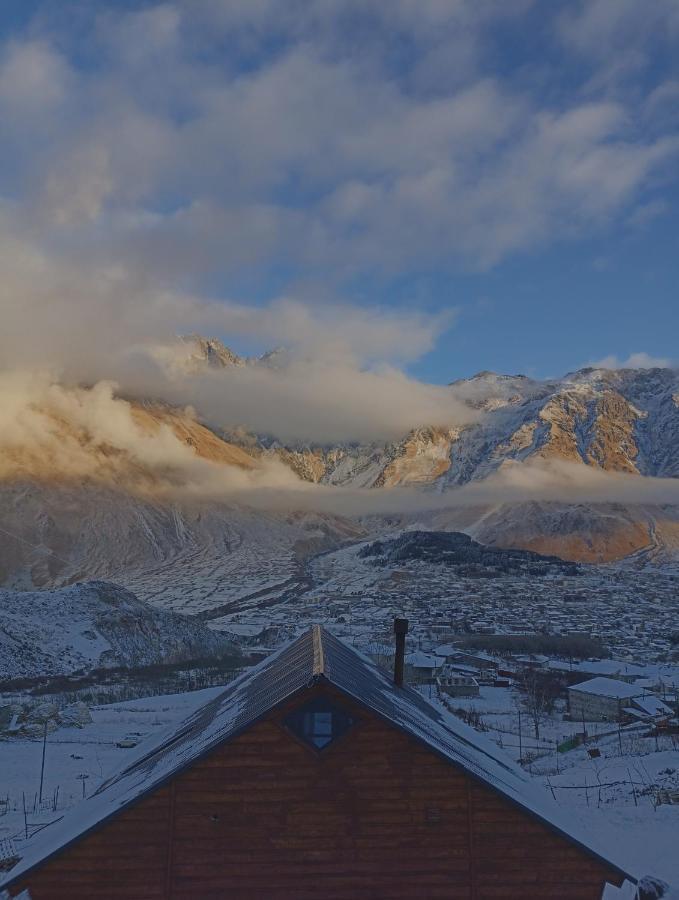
(613, 421)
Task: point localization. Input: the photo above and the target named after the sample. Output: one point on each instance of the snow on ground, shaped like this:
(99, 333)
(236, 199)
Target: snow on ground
(614, 796)
(89, 751)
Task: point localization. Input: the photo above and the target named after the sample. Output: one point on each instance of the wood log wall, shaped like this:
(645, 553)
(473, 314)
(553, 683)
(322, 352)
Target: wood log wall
(375, 815)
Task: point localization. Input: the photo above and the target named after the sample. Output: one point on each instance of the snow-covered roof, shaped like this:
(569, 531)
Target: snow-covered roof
(446, 650)
(421, 660)
(611, 667)
(315, 657)
(608, 687)
(460, 667)
(652, 706)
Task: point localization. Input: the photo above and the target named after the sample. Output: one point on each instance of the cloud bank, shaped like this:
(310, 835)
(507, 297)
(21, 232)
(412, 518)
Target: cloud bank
(202, 138)
(91, 437)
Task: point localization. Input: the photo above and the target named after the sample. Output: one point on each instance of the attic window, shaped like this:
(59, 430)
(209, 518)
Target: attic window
(318, 723)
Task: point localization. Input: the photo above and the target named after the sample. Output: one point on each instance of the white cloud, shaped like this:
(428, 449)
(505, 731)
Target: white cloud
(633, 361)
(323, 155)
(34, 78)
(198, 141)
(341, 383)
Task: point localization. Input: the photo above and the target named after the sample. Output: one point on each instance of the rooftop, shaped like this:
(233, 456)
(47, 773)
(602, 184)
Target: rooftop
(609, 687)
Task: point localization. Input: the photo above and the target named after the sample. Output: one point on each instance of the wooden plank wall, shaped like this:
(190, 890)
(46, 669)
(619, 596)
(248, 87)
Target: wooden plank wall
(376, 815)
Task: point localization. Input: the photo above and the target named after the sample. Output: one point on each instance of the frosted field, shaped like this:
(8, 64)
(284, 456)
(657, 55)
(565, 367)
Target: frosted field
(72, 752)
(614, 795)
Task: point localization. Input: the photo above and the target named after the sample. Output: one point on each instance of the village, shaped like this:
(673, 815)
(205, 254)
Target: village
(631, 613)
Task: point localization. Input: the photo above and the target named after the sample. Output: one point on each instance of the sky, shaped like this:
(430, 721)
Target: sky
(440, 186)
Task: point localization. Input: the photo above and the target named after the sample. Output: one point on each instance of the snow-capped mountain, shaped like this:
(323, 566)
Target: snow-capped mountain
(95, 486)
(619, 421)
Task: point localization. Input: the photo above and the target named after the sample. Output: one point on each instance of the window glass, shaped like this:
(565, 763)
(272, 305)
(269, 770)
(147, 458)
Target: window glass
(319, 722)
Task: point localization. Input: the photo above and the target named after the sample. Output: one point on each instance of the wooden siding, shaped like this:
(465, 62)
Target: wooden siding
(376, 815)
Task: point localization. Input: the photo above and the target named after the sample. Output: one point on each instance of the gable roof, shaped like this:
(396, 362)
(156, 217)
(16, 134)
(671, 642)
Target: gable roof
(652, 706)
(609, 687)
(315, 657)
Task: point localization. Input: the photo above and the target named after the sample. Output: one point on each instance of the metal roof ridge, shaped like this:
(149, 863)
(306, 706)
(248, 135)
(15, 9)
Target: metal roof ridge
(319, 655)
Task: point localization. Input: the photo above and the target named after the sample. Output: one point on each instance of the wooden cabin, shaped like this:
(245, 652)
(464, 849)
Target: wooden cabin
(315, 776)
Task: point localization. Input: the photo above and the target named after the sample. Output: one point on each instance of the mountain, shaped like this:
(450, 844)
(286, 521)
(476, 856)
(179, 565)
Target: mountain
(91, 626)
(97, 486)
(624, 421)
(211, 352)
(617, 420)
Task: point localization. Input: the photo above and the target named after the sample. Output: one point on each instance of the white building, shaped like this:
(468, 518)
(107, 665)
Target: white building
(602, 699)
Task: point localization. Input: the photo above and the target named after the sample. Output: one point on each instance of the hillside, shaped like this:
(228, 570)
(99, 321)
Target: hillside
(90, 626)
(187, 556)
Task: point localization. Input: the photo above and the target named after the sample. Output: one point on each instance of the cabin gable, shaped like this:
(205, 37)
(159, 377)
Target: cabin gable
(373, 814)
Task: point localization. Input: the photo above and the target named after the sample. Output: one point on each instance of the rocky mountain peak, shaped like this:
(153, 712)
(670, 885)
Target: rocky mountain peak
(212, 352)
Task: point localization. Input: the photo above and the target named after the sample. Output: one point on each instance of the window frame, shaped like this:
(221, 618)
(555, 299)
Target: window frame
(292, 721)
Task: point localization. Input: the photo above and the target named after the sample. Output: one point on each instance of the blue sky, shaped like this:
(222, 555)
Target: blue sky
(495, 182)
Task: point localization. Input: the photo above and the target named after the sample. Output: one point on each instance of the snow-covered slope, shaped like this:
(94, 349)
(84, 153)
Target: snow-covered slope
(187, 556)
(93, 625)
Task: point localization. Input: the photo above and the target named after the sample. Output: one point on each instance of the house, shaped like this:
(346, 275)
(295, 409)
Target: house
(315, 775)
(594, 668)
(602, 699)
(457, 684)
(532, 661)
(480, 659)
(421, 668)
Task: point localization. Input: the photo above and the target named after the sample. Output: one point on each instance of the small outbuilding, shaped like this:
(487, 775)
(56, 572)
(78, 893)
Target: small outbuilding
(315, 775)
(457, 684)
(421, 668)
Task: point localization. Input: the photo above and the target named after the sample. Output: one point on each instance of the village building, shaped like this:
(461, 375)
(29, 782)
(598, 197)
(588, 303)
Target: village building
(481, 660)
(602, 699)
(594, 668)
(457, 684)
(421, 668)
(648, 708)
(316, 775)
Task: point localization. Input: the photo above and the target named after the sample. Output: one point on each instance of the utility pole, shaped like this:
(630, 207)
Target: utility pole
(520, 740)
(42, 767)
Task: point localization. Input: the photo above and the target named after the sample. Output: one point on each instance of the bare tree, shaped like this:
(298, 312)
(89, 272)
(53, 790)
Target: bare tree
(538, 693)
